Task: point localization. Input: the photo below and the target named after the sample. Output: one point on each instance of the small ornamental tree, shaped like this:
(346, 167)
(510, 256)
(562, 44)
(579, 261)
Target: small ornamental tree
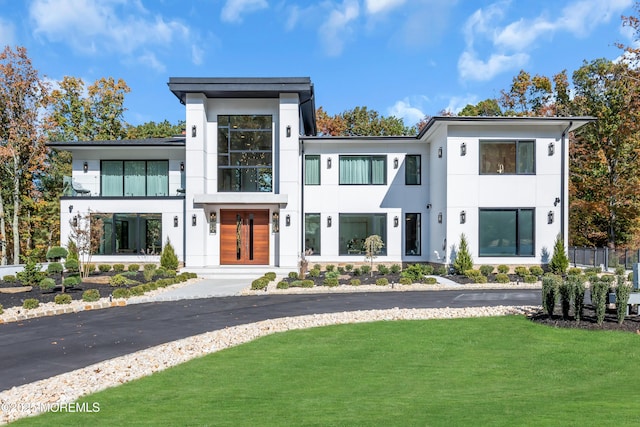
(622, 298)
(168, 257)
(56, 252)
(87, 233)
(559, 261)
(372, 247)
(463, 261)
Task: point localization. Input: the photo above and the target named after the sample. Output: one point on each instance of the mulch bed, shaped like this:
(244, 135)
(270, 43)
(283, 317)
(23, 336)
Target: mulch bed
(99, 281)
(588, 321)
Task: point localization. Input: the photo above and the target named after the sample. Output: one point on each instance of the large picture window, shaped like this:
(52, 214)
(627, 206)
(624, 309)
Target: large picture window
(506, 232)
(355, 228)
(312, 169)
(507, 157)
(412, 231)
(134, 178)
(363, 170)
(312, 234)
(139, 234)
(245, 154)
(412, 169)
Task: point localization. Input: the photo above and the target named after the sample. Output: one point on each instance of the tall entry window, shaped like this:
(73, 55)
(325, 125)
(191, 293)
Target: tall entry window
(506, 232)
(312, 234)
(245, 153)
(412, 231)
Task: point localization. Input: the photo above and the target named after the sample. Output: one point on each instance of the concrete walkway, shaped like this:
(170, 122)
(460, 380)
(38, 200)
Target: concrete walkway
(225, 287)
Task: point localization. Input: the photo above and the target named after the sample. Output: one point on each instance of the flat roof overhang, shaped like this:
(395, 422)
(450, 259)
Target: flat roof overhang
(251, 87)
(241, 199)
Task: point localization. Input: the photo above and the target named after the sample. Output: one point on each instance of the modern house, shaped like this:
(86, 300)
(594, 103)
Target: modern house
(251, 183)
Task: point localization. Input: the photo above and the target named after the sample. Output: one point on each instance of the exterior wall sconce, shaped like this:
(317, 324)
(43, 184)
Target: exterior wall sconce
(75, 221)
(395, 221)
(194, 131)
(70, 208)
(552, 148)
(463, 217)
(439, 151)
(181, 166)
(85, 167)
(439, 217)
(428, 205)
(550, 217)
(288, 131)
(328, 162)
(463, 149)
(556, 201)
(175, 221)
(213, 223)
(395, 163)
(287, 220)
(328, 221)
(194, 220)
(275, 222)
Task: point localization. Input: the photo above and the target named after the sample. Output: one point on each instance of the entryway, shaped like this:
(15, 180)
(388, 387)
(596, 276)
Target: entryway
(244, 237)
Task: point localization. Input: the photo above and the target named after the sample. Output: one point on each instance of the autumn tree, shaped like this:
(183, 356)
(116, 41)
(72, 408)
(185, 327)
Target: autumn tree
(361, 121)
(528, 96)
(604, 161)
(162, 129)
(488, 107)
(22, 96)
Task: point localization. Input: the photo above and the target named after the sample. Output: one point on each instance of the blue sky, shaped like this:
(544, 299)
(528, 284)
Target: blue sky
(407, 58)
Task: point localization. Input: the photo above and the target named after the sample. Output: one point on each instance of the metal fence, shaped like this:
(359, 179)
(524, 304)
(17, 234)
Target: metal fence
(604, 257)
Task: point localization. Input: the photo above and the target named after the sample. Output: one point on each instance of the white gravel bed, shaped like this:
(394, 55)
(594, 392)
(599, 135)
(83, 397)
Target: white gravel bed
(58, 393)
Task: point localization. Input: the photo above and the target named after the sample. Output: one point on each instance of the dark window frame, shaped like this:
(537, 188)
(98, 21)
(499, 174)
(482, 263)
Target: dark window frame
(518, 237)
(516, 160)
(418, 234)
(146, 176)
(418, 174)
(314, 156)
(370, 157)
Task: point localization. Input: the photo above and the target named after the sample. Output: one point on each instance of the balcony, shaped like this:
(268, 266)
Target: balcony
(73, 187)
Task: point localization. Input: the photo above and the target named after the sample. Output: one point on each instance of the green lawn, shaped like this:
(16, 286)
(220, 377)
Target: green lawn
(483, 371)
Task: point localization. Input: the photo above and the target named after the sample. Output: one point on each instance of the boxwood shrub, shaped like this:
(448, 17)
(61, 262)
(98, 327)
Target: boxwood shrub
(314, 272)
(90, 295)
(134, 267)
(330, 281)
(480, 279)
(259, 284)
(30, 303)
(354, 282)
(330, 267)
(118, 280)
(431, 280)
(365, 269)
(293, 275)
(503, 269)
(502, 278)
(348, 267)
(574, 271)
(271, 276)
(62, 299)
(282, 285)
(72, 265)
(529, 278)
(71, 281)
(137, 290)
(104, 268)
(406, 281)
(521, 271)
(119, 268)
(47, 284)
(536, 270)
(383, 269)
(121, 293)
(10, 278)
(427, 269)
(382, 281)
(486, 269)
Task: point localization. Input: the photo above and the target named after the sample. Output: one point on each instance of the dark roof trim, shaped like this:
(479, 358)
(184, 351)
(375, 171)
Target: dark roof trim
(337, 138)
(177, 141)
(493, 119)
(251, 87)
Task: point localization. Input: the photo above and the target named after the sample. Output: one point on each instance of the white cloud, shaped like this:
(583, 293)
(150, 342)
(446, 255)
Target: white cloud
(197, 55)
(472, 68)
(104, 26)
(457, 103)
(7, 32)
(379, 6)
(403, 109)
(149, 59)
(233, 10)
(336, 28)
(509, 44)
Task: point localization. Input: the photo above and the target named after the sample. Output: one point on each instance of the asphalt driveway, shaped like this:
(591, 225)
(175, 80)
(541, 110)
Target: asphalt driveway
(43, 347)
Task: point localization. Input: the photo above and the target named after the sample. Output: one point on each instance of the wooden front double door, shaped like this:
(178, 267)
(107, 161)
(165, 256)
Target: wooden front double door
(244, 237)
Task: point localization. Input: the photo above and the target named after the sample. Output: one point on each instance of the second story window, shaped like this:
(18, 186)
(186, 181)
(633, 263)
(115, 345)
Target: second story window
(312, 169)
(363, 170)
(507, 157)
(244, 153)
(412, 163)
(134, 178)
